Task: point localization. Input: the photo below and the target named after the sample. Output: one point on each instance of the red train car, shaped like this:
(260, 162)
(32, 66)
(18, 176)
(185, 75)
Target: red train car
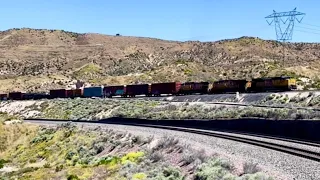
(15, 95)
(110, 91)
(69, 93)
(194, 87)
(58, 93)
(73, 93)
(77, 92)
(165, 88)
(138, 89)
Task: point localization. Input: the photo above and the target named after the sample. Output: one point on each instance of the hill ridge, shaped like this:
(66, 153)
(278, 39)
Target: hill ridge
(38, 59)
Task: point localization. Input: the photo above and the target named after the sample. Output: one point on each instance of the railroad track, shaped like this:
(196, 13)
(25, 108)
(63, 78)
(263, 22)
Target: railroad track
(307, 143)
(315, 156)
(304, 153)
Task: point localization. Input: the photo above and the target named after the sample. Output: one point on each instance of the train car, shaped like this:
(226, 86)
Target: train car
(165, 88)
(15, 95)
(69, 93)
(133, 90)
(194, 88)
(110, 91)
(273, 84)
(227, 86)
(77, 93)
(89, 92)
(35, 96)
(3, 96)
(73, 93)
(58, 93)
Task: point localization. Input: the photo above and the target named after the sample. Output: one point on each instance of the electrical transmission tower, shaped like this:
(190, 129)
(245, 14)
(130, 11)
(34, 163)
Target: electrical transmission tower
(287, 18)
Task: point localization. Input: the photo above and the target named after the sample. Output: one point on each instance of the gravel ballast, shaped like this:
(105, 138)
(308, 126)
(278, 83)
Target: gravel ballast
(274, 163)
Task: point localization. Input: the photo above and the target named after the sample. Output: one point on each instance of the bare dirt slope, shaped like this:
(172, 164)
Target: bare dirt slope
(33, 59)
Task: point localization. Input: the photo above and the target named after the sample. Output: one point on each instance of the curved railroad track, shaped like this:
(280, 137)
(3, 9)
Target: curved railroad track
(301, 152)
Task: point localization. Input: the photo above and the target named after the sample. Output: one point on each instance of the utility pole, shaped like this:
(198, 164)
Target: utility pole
(285, 17)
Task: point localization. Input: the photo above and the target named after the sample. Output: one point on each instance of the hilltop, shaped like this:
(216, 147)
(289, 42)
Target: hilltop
(39, 59)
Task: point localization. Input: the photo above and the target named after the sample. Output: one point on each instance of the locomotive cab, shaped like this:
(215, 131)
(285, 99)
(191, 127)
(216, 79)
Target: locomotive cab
(292, 84)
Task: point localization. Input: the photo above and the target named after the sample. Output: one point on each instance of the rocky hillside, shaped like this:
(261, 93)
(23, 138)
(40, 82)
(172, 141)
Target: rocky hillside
(42, 59)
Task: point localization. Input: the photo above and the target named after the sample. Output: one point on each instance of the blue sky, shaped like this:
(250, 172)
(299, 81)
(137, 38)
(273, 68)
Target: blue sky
(204, 20)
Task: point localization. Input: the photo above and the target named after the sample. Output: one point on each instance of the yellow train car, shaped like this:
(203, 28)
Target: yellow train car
(225, 86)
(273, 84)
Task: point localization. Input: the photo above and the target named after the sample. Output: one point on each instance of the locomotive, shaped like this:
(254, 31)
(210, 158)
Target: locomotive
(272, 84)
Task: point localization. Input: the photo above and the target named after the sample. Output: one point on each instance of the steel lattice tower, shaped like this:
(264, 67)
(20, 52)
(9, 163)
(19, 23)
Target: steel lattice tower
(284, 17)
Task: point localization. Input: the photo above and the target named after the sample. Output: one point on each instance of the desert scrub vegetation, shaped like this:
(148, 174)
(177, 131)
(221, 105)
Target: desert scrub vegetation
(4, 116)
(76, 109)
(96, 109)
(67, 151)
(302, 100)
(206, 111)
(92, 109)
(217, 168)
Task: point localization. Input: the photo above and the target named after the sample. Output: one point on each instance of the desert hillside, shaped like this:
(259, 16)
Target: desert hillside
(36, 60)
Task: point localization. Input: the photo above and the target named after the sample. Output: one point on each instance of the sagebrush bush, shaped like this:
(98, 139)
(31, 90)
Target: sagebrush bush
(250, 168)
(214, 169)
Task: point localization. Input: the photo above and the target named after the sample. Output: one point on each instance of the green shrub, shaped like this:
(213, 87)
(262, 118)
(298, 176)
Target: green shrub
(250, 168)
(214, 169)
(258, 176)
(72, 177)
(110, 160)
(59, 168)
(46, 165)
(166, 173)
(155, 156)
(139, 176)
(2, 162)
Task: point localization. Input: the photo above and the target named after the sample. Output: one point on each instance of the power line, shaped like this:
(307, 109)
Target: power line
(311, 25)
(309, 28)
(307, 32)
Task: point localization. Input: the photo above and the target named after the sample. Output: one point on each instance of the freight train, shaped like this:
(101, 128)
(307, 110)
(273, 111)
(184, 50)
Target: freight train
(273, 84)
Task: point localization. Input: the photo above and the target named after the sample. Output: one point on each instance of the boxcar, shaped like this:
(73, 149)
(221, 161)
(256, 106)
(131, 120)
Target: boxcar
(226, 86)
(69, 93)
(3, 96)
(15, 95)
(41, 96)
(89, 92)
(77, 93)
(138, 89)
(194, 87)
(165, 88)
(110, 91)
(58, 93)
(73, 93)
(273, 84)
(35, 96)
